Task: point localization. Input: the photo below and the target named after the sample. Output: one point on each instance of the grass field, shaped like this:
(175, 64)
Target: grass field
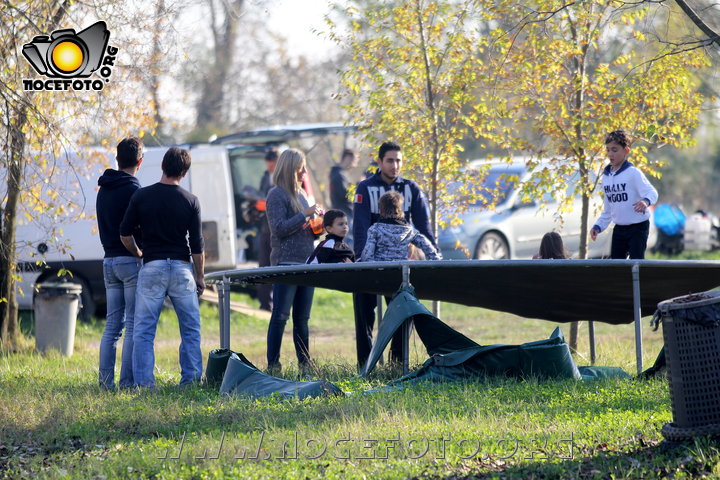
(56, 423)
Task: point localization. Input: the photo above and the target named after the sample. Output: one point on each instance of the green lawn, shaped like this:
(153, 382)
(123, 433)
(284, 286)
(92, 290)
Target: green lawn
(56, 423)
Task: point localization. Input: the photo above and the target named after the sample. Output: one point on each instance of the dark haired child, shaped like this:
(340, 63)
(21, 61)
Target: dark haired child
(333, 249)
(551, 247)
(389, 237)
(628, 194)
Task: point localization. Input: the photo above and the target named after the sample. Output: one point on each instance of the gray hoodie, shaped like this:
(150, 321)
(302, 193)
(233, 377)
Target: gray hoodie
(388, 240)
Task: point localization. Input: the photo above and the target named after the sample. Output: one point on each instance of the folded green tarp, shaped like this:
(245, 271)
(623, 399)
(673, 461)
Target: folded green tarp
(244, 379)
(217, 363)
(455, 356)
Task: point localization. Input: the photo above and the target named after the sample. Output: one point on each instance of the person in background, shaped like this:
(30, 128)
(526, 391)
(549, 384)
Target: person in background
(120, 268)
(169, 217)
(627, 197)
(333, 249)
(265, 291)
(551, 246)
(339, 182)
(365, 213)
(292, 241)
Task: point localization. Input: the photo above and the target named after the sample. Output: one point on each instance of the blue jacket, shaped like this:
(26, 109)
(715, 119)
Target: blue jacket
(366, 209)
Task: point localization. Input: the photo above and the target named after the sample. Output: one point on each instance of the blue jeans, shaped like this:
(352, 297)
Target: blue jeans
(157, 279)
(120, 275)
(300, 299)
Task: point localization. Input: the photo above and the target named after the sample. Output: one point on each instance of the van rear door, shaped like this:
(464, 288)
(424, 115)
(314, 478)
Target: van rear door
(209, 180)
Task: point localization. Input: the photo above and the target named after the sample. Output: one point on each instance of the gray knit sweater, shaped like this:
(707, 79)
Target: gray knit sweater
(291, 240)
(388, 240)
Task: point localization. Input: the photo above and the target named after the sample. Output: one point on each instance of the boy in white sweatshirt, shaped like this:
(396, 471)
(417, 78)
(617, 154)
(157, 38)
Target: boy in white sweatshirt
(628, 194)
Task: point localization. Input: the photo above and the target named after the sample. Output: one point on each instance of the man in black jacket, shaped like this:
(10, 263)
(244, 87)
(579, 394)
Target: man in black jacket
(339, 183)
(263, 243)
(120, 268)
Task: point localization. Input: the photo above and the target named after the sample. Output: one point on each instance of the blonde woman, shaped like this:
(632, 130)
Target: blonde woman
(291, 240)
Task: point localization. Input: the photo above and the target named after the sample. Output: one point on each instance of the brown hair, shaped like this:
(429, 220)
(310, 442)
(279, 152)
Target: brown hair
(391, 205)
(619, 137)
(289, 164)
(551, 246)
(331, 215)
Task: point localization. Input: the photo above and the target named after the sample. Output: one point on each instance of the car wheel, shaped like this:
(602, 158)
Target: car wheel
(492, 247)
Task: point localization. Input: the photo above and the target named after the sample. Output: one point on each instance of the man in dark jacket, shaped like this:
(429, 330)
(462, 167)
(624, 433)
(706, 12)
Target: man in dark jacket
(366, 212)
(169, 217)
(263, 243)
(120, 268)
(339, 182)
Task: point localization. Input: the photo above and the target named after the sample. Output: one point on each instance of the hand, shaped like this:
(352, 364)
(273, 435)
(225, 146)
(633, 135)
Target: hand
(640, 206)
(593, 234)
(314, 210)
(200, 282)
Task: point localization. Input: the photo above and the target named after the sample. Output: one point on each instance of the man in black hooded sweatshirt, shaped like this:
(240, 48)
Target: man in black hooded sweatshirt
(120, 268)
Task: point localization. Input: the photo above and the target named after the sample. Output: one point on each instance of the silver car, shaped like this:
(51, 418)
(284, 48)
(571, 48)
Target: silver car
(513, 229)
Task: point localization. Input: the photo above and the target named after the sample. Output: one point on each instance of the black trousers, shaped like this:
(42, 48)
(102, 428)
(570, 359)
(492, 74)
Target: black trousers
(264, 292)
(364, 305)
(630, 240)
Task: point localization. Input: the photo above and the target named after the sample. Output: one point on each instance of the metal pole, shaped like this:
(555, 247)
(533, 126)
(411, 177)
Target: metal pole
(224, 308)
(637, 313)
(406, 326)
(379, 300)
(591, 337)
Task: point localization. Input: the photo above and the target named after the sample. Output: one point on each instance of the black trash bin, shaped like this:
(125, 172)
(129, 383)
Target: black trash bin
(56, 306)
(691, 333)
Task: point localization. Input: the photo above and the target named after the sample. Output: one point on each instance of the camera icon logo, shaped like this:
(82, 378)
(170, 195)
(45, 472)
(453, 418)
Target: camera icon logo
(66, 54)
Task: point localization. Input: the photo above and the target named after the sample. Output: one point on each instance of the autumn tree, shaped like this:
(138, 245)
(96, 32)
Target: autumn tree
(225, 19)
(573, 73)
(40, 128)
(411, 79)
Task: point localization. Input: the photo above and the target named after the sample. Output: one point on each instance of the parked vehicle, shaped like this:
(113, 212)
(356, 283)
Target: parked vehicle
(224, 176)
(513, 229)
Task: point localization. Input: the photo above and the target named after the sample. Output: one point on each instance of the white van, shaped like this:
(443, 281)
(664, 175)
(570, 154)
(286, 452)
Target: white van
(76, 246)
(224, 176)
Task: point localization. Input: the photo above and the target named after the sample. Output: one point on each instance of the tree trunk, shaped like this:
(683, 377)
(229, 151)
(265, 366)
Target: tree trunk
(712, 34)
(17, 118)
(430, 99)
(212, 98)
(9, 328)
(160, 14)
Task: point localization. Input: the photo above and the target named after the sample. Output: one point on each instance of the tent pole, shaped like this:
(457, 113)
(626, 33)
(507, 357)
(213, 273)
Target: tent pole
(406, 325)
(224, 309)
(379, 307)
(591, 337)
(637, 313)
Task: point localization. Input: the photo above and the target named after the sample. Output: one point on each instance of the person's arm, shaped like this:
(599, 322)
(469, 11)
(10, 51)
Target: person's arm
(420, 214)
(647, 193)
(131, 246)
(603, 221)
(199, 271)
(368, 253)
(129, 224)
(424, 244)
(282, 220)
(362, 218)
(197, 247)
